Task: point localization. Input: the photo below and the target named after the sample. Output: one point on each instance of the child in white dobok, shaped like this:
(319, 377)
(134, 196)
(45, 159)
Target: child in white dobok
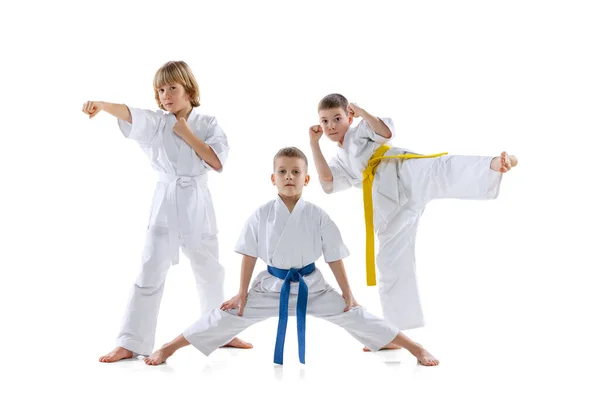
(289, 235)
(182, 145)
(402, 185)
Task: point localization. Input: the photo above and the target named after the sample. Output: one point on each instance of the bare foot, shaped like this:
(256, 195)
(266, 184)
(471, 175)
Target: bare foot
(504, 162)
(425, 357)
(390, 346)
(159, 356)
(238, 344)
(119, 353)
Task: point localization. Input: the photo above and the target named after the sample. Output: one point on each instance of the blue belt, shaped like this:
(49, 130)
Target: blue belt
(288, 276)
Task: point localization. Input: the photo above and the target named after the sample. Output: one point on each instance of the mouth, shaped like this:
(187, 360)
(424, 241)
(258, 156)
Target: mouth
(289, 184)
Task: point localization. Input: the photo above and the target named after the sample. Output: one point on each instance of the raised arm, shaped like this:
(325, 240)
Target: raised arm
(377, 125)
(323, 169)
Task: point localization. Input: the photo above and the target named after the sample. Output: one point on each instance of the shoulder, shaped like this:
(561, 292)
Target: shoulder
(316, 212)
(202, 120)
(312, 207)
(263, 210)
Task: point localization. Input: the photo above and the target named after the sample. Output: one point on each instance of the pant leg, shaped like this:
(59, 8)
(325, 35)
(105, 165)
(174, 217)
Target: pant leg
(396, 265)
(456, 177)
(138, 328)
(368, 329)
(216, 328)
(459, 177)
(208, 272)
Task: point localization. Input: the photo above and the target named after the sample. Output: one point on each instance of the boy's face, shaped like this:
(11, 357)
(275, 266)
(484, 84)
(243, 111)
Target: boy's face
(290, 176)
(335, 123)
(173, 97)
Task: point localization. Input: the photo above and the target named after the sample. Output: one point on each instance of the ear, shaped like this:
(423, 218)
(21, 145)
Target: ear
(306, 180)
(273, 179)
(350, 119)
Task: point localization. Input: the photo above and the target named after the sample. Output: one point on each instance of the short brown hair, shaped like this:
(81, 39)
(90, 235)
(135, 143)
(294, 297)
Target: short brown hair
(177, 72)
(333, 100)
(292, 152)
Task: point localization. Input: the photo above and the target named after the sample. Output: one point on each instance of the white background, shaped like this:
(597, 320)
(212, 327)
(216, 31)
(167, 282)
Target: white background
(509, 286)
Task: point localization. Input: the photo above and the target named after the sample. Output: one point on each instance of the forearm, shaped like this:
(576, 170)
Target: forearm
(323, 169)
(337, 267)
(248, 264)
(377, 125)
(203, 150)
(120, 111)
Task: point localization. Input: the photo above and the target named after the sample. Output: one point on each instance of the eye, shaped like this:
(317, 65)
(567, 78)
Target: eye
(282, 171)
(161, 90)
(324, 121)
(296, 172)
(337, 119)
(173, 87)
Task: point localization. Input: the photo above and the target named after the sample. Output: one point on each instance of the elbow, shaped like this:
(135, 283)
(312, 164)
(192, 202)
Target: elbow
(327, 185)
(386, 134)
(217, 165)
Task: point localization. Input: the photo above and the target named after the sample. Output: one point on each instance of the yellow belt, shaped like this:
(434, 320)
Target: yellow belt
(367, 184)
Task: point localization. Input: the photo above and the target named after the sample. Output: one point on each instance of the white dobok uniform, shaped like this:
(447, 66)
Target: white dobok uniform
(182, 215)
(401, 190)
(290, 240)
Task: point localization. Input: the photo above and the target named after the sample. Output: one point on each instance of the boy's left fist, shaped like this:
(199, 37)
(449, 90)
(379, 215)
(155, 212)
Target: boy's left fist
(355, 111)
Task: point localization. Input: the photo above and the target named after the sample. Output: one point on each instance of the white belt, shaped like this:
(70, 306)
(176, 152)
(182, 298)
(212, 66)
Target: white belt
(198, 181)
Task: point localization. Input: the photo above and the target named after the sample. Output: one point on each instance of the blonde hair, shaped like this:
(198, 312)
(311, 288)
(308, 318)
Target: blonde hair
(291, 152)
(177, 72)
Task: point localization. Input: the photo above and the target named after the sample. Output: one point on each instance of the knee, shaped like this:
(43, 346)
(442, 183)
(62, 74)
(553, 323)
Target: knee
(151, 277)
(209, 273)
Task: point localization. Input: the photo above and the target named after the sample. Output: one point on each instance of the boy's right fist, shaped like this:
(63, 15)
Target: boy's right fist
(92, 108)
(315, 133)
(238, 301)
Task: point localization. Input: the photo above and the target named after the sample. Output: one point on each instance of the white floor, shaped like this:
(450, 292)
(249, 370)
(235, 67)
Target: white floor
(482, 356)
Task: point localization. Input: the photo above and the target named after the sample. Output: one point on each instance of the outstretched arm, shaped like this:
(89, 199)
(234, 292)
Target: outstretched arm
(120, 111)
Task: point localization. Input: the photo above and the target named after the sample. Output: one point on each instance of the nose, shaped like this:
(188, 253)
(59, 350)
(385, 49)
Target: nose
(331, 126)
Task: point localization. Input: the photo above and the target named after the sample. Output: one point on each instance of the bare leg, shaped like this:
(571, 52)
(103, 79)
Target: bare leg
(161, 355)
(238, 344)
(389, 346)
(416, 350)
(504, 162)
(119, 353)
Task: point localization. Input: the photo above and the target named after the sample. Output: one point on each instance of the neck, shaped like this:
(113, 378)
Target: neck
(341, 142)
(184, 112)
(290, 201)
